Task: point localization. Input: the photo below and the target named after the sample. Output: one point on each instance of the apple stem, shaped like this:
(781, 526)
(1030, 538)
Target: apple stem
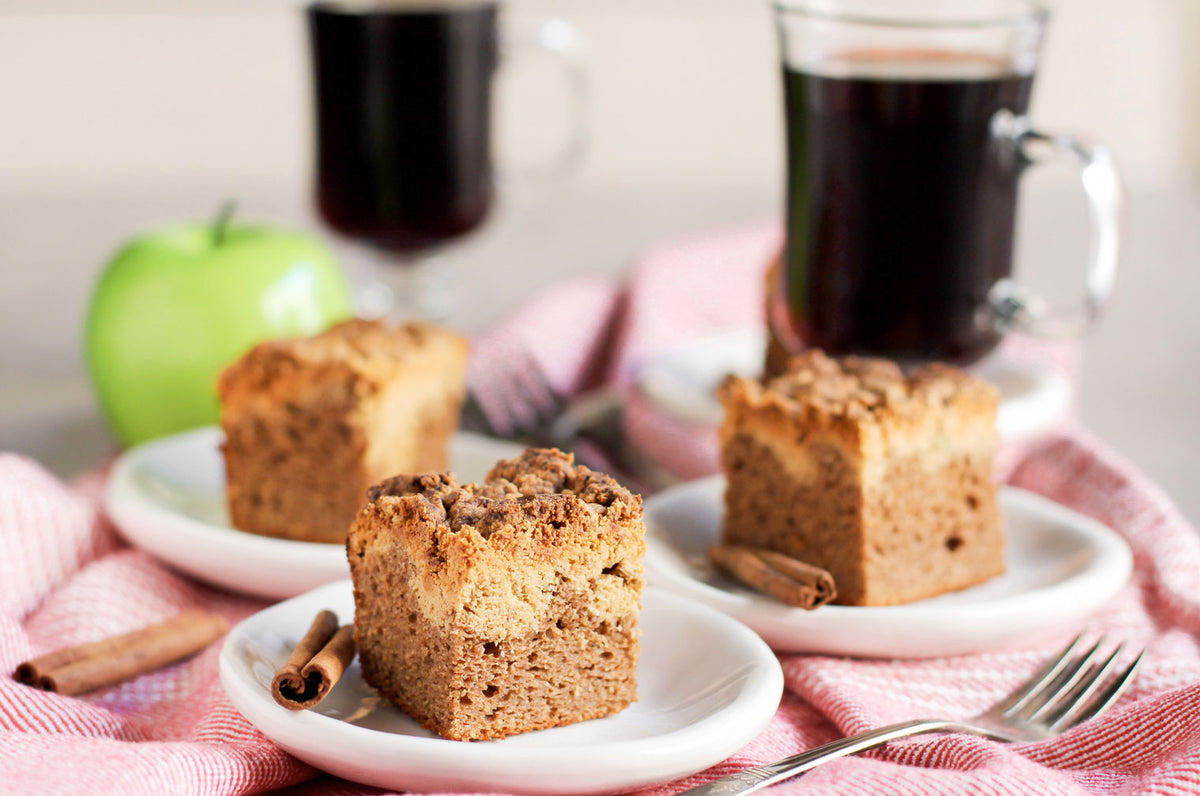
(221, 223)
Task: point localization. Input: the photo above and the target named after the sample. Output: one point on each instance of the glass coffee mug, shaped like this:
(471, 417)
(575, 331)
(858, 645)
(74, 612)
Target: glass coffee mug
(907, 137)
(403, 107)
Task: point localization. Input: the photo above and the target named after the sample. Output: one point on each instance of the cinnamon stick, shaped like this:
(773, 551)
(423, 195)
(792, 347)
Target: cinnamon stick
(87, 667)
(316, 664)
(787, 579)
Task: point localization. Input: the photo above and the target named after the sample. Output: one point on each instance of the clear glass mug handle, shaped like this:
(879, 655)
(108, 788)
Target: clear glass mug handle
(1010, 307)
(558, 40)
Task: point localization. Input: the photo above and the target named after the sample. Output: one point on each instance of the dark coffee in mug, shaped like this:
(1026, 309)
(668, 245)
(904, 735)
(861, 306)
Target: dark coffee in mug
(901, 203)
(403, 118)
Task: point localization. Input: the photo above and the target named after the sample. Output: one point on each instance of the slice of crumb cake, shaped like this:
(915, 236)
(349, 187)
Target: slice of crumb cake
(311, 423)
(499, 608)
(885, 480)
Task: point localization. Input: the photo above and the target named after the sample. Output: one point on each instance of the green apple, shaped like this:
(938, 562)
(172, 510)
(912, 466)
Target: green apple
(174, 307)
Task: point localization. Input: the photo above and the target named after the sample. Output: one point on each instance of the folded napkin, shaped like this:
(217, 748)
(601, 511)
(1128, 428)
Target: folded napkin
(66, 578)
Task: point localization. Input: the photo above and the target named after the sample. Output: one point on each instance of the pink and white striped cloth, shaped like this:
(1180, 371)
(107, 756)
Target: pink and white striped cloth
(66, 577)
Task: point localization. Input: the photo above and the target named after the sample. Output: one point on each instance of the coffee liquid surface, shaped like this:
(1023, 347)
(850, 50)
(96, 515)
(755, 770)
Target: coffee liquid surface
(901, 205)
(403, 119)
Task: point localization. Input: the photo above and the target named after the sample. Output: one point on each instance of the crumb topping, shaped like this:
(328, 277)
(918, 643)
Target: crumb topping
(857, 387)
(371, 348)
(543, 483)
(358, 341)
(365, 340)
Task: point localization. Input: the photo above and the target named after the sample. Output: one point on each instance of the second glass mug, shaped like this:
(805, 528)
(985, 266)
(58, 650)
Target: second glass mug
(403, 110)
(907, 137)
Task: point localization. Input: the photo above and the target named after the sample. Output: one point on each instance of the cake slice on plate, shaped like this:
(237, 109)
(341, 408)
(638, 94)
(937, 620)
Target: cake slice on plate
(311, 423)
(486, 610)
(885, 480)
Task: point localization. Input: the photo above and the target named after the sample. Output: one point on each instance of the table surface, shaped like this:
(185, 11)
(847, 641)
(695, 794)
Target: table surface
(1141, 388)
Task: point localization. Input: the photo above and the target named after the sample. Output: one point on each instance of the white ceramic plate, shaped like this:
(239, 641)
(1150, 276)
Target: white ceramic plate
(1060, 567)
(684, 383)
(706, 684)
(168, 498)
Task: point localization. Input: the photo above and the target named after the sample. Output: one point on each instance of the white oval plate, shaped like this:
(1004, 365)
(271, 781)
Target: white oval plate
(684, 381)
(706, 686)
(1060, 567)
(167, 497)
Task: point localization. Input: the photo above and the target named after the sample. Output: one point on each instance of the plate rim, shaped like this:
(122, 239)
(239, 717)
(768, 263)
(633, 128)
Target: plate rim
(1110, 572)
(765, 685)
(657, 387)
(132, 512)
(120, 491)
(1019, 416)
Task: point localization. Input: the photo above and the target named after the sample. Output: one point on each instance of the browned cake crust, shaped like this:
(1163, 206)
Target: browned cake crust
(494, 609)
(881, 479)
(311, 423)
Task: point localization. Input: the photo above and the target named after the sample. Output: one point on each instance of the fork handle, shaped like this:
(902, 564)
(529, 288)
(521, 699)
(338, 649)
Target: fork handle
(752, 779)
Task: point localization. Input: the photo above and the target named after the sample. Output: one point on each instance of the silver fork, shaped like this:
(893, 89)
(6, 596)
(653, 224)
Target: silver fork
(519, 403)
(515, 401)
(1065, 692)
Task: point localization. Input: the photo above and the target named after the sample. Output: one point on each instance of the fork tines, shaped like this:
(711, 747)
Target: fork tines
(510, 397)
(1070, 688)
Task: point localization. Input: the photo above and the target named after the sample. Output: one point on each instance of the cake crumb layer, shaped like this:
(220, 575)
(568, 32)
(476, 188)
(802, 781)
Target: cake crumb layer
(311, 423)
(883, 479)
(485, 610)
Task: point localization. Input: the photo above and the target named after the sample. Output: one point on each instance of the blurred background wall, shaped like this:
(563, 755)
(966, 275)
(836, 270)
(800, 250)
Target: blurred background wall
(117, 116)
(685, 90)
